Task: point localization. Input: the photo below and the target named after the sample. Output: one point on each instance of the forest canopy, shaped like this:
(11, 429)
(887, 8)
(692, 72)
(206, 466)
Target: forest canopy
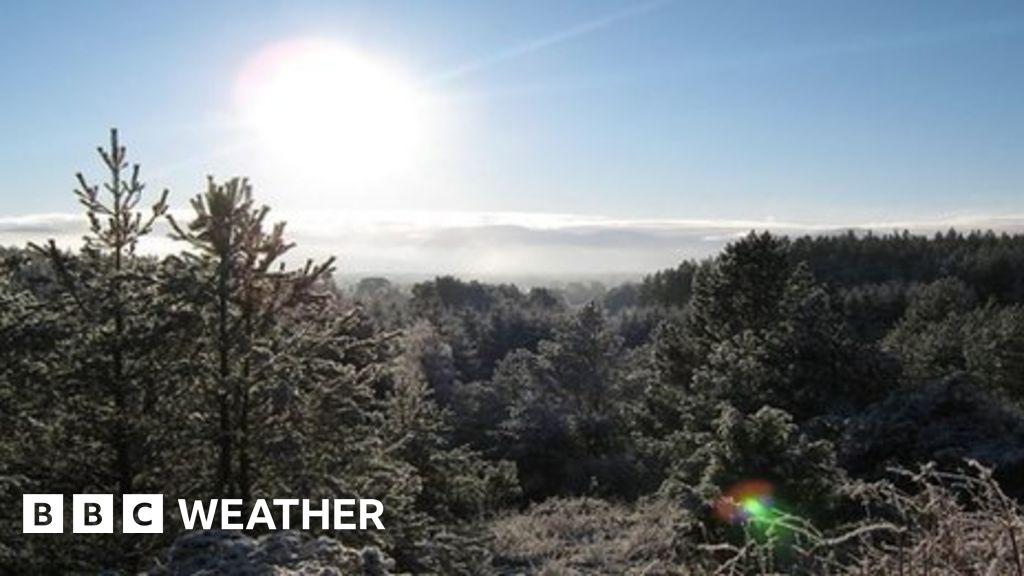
(833, 402)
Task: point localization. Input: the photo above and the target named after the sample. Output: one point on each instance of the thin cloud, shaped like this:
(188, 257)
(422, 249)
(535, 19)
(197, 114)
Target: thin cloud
(32, 224)
(537, 44)
(481, 243)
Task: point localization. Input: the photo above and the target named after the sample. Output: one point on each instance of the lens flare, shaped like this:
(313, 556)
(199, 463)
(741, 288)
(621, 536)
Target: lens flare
(750, 501)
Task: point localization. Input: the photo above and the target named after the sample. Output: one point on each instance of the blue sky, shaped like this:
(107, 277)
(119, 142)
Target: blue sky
(628, 115)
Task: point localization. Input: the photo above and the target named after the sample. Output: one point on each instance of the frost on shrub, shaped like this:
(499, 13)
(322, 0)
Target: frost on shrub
(591, 536)
(211, 552)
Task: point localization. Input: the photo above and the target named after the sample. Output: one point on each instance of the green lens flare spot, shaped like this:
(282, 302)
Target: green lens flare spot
(755, 509)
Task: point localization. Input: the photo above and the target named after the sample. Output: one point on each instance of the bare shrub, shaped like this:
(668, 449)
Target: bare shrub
(924, 522)
(928, 522)
(590, 536)
(952, 523)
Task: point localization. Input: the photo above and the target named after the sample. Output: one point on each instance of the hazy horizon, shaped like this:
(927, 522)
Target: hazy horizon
(503, 245)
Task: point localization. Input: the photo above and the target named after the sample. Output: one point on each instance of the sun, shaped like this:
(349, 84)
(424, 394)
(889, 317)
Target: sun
(328, 113)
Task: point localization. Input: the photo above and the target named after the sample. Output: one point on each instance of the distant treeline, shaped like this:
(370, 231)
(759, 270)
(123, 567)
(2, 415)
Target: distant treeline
(991, 263)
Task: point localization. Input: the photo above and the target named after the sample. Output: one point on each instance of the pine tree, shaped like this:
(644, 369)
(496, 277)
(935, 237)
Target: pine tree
(742, 289)
(103, 287)
(565, 411)
(248, 288)
(89, 338)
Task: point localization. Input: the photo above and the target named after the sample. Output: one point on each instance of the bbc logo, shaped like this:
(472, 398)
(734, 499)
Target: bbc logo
(92, 513)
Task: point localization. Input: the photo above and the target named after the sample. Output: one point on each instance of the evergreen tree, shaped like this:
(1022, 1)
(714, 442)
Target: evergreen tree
(565, 424)
(106, 288)
(247, 288)
(93, 354)
(742, 289)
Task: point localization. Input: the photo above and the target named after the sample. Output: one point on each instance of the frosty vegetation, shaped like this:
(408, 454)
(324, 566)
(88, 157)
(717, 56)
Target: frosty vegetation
(874, 381)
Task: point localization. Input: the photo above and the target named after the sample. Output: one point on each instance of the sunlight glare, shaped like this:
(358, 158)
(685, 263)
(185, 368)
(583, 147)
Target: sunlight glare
(330, 114)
